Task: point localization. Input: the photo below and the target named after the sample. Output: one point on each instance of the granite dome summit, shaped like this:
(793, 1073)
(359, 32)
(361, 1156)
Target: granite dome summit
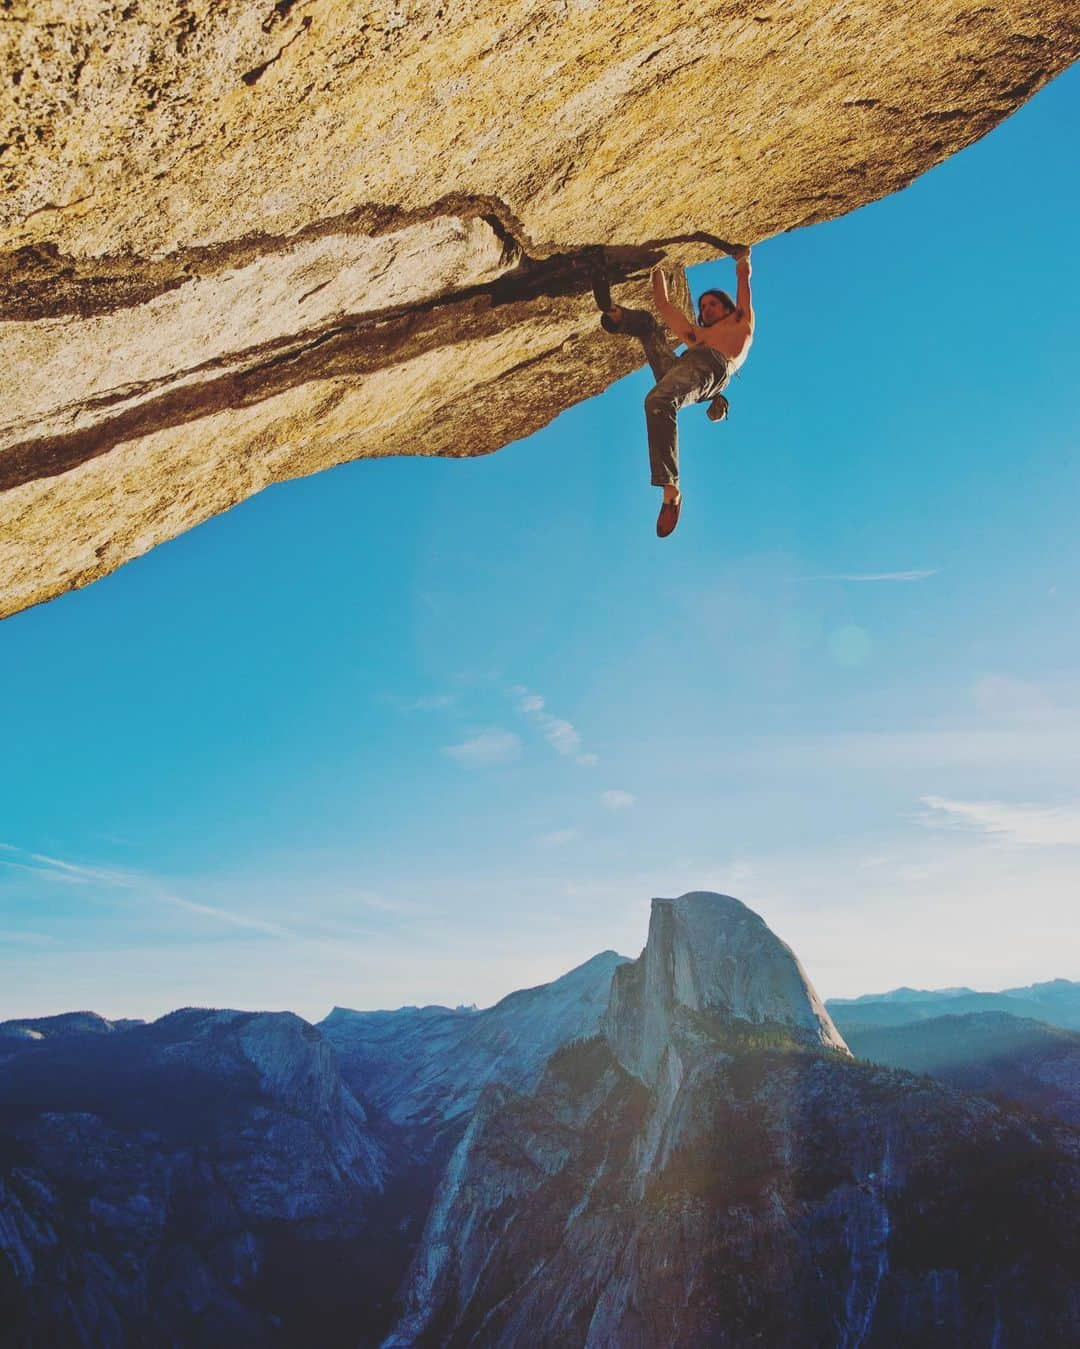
(709, 955)
(239, 244)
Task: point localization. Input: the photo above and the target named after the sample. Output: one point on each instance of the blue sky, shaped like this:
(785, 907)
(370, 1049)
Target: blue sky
(418, 730)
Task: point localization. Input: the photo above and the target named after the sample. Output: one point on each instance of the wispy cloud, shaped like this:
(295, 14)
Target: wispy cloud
(222, 915)
(138, 883)
(368, 899)
(489, 747)
(67, 873)
(562, 735)
(1038, 825)
(616, 799)
(41, 872)
(558, 838)
(918, 575)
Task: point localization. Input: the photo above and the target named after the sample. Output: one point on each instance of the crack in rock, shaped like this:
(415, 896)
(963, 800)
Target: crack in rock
(254, 75)
(352, 347)
(38, 281)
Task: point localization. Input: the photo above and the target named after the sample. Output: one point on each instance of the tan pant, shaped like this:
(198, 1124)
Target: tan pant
(696, 376)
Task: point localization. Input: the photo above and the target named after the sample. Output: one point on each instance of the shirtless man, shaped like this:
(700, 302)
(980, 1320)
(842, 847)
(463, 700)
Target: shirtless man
(716, 347)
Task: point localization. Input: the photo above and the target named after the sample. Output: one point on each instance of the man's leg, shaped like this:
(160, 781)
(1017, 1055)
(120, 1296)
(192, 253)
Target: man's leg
(658, 351)
(640, 323)
(692, 378)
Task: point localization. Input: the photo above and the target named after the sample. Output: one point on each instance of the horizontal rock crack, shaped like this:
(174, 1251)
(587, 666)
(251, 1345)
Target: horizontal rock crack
(342, 349)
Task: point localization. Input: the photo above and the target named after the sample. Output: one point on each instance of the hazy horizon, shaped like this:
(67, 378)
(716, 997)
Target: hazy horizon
(314, 1016)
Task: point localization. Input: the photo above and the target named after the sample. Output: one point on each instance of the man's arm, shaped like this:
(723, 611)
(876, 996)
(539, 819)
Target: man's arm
(677, 321)
(743, 302)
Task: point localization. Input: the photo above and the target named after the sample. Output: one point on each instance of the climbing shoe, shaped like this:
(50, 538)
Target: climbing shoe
(631, 322)
(668, 517)
(717, 409)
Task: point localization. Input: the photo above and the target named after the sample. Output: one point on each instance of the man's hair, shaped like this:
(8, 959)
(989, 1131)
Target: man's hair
(721, 295)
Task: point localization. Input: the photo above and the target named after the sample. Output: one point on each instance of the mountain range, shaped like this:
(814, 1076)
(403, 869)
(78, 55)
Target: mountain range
(1005, 1057)
(678, 1150)
(1056, 1001)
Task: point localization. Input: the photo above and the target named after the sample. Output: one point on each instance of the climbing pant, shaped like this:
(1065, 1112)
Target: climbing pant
(696, 376)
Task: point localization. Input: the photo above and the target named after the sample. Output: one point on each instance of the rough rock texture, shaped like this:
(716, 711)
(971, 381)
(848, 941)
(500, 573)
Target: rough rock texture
(802, 1201)
(425, 1067)
(213, 1177)
(206, 1179)
(708, 954)
(240, 243)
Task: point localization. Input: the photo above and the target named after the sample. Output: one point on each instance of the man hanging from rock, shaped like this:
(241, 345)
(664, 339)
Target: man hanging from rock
(716, 347)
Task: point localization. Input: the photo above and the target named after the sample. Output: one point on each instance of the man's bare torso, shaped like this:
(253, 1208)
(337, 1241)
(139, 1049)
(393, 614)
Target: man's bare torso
(731, 336)
(728, 331)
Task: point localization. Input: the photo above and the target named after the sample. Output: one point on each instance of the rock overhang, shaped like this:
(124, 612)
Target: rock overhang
(241, 245)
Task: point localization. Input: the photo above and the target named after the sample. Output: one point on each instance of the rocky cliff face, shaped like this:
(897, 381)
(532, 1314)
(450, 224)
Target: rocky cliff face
(213, 1177)
(239, 244)
(744, 1182)
(425, 1067)
(204, 1179)
(708, 956)
(803, 1200)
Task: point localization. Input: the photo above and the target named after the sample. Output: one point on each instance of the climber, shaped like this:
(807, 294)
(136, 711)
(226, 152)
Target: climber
(716, 347)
